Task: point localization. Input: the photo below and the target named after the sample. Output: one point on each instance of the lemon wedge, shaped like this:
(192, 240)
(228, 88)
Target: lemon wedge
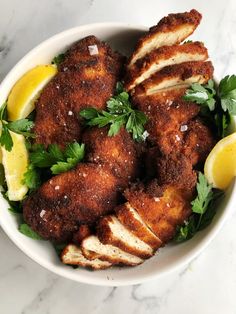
(22, 97)
(15, 165)
(220, 165)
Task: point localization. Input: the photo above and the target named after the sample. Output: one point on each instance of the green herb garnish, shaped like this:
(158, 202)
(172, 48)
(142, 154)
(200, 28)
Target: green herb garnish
(119, 113)
(203, 208)
(217, 105)
(58, 59)
(27, 231)
(22, 126)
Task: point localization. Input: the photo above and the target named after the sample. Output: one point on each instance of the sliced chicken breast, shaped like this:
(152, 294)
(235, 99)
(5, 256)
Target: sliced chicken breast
(92, 248)
(72, 255)
(179, 75)
(130, 218)
(111, 231)
(162, 57)
(171, 30)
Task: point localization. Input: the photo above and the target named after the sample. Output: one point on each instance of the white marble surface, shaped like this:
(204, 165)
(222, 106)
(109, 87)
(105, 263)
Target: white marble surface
(205, 286)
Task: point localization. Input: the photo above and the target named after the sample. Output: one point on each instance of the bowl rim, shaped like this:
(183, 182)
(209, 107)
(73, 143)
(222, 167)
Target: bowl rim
(184, 260)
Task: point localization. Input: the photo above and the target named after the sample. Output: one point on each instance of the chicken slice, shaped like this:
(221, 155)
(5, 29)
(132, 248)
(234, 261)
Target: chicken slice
(92, 248)
(170, 30)
(111, 231)
(130, 218)
(162, 57)
(72, 255)
(181, 75)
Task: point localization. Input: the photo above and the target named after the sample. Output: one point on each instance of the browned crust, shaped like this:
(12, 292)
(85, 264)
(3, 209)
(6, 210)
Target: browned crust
(83, 232)
(72, 262)
(162, 212)
(160, 54)
(106, 236)
(136, 227)
(81, 77)
(182, 72)
(169, 23)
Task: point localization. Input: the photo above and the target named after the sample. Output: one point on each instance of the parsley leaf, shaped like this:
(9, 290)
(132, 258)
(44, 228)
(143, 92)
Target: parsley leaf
(227, 93)
(27, 231)
(32, 178)
(22, 126)
(54, 158)
(202, 94)
(119, 113)
(58, 59)
(203, 208)
(5, 138)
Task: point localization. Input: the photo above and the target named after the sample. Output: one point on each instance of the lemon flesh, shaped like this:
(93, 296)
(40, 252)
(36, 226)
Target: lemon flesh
(21, 100)
(220, 165)
(15, 165)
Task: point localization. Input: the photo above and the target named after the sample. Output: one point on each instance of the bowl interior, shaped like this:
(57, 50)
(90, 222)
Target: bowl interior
(121, 37)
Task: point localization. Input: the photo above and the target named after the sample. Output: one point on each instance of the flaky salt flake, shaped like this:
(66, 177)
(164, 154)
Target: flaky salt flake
(70, 113)
(42, 213)
(145, 135)
(57, 187)
(183, 128)
(177, 137)
(93, 50)
(156, 199)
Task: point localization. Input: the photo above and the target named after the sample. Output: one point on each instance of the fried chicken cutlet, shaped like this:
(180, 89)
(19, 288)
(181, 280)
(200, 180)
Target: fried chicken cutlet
(90, 68)
(79, 196)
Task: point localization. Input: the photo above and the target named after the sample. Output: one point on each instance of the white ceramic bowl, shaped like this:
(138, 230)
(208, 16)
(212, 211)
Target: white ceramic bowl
(121, 37)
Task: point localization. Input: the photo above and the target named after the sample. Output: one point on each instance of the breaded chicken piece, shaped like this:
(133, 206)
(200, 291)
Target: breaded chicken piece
(162, 208)
(118, 152)
(82, 76)
(70, 199)
(198, 142)
(130, 218)
(182, 75)
(72, 255)
(111, 231)
(162, 57)
(165, 115)
(170, 30)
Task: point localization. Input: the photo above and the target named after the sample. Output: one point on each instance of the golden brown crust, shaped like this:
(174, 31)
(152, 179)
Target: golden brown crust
(163, 54)
(106, 236)
(179, 72)
(162, 212)
(169, 24)
(136, 227)
(76, 197)
(198, 142)
(83, 232)
(80, 79)
(119, 152)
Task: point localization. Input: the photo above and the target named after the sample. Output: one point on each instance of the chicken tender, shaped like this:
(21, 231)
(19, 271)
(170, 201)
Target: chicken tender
(90, 68)
(118, 152)
(70, 199)
(170, 30)
(162, 57)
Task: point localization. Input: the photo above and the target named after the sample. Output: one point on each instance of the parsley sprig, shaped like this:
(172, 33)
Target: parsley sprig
(22, 126)
(217, 104)
(203, 208)
(54, 158)
(57, 60)
(119, 113)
